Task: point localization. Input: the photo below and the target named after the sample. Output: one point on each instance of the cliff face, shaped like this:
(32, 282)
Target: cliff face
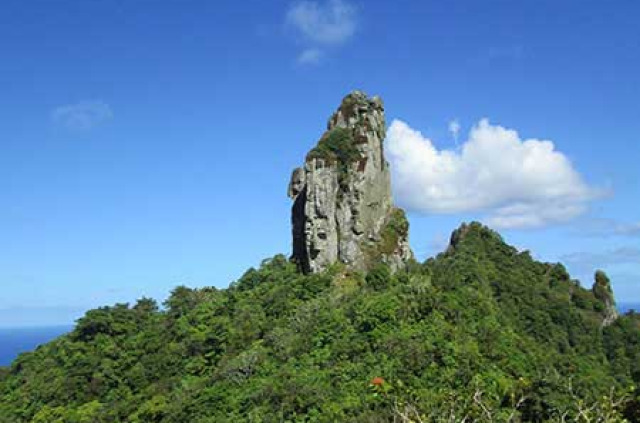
(602, 290)
(342, 210)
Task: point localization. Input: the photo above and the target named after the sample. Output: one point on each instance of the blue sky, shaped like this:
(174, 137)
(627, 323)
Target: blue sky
(146, 144)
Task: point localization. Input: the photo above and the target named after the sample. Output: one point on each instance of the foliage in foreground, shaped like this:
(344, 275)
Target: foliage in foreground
(480, 333)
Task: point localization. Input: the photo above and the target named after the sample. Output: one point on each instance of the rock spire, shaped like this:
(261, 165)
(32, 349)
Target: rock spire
(602, 291)
(342, 206)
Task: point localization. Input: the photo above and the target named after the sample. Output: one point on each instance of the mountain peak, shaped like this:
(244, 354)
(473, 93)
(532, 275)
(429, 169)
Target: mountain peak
(353, 106)
(473, 230)
(342, 209)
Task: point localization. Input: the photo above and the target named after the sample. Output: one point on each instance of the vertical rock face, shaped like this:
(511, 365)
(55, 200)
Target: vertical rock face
(602, 291)
(342, 207)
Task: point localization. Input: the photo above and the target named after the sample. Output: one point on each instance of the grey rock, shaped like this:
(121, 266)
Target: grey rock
(342, 206)
(602, 291)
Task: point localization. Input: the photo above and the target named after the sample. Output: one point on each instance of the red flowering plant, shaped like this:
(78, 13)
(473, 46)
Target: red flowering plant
(380, 387)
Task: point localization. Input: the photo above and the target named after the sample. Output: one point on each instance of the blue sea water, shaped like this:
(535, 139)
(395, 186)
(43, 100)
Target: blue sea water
(624, 307)
(14, 341)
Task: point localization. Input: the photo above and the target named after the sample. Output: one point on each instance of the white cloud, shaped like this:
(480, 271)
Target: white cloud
(602, 227)
(627, 229)
(590, 261)
(439, 242)
(516, 183)
(82, 116)
(310, 56)
(330, 22)
(454, 129)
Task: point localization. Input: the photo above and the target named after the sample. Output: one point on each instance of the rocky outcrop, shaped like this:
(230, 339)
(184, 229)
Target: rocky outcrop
(342, 207)
(602, 291)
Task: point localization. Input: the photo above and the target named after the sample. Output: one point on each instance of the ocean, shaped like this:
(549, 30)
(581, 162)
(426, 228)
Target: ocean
(14, 341)
(624, 307)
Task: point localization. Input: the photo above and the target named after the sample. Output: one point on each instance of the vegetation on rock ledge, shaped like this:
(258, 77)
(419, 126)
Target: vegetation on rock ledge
(336, 147)
(396, 228)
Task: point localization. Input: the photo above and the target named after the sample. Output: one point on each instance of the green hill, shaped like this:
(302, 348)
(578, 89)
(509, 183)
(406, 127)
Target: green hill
(481, 332)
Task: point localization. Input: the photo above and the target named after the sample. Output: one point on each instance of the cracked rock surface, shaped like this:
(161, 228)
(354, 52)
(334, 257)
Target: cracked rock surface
(342, 205)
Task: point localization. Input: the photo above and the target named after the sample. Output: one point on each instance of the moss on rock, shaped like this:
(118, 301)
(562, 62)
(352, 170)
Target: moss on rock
(337, 147)
(395, 229)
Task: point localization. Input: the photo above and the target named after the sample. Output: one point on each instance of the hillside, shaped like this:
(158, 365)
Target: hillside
(481, 332)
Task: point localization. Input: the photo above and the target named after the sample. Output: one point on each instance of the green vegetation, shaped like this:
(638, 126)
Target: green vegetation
(602, 287)
(396, 228)
(337, 147)
(481, 331)
(351, 103)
